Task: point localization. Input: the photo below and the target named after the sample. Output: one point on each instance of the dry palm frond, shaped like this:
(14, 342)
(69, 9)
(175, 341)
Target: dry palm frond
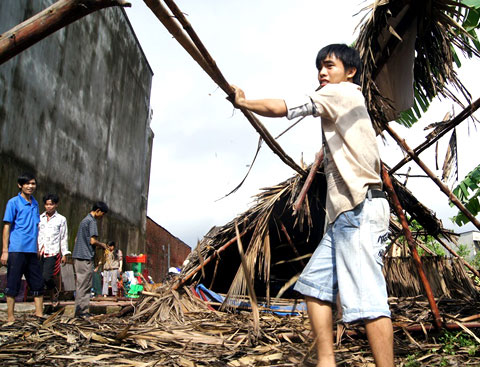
(435, 29)
(451, 159)
(259, 232)
(167, 304)
(259, 247)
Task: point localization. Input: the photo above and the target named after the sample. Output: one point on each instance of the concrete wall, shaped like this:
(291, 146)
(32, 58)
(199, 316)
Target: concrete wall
(159, 257)
(75, 110)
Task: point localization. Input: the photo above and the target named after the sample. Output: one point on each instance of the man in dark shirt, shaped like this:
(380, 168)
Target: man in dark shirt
(84, 254)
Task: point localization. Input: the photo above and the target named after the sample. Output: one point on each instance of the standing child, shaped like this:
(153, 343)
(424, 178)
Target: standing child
(112, 268)
(20, 231)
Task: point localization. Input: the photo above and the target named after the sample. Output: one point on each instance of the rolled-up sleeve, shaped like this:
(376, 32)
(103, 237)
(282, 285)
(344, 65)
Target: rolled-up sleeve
(300, 106)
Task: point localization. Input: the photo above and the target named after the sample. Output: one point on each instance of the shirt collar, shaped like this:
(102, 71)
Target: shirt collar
(44, 214)
(26, 202)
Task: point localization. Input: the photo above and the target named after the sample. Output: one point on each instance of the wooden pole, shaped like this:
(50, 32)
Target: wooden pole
(411, 242)
(435, 179)
(197, 50)
(308, 182)
(467, 112)
(172, 26)
(221, 81)
(48, 21)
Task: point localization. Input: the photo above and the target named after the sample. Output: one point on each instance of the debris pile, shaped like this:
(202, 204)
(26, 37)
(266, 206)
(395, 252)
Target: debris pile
(171, 328)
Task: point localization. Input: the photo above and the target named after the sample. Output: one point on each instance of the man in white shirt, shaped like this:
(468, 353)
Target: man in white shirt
(348, 260)
(52, 243)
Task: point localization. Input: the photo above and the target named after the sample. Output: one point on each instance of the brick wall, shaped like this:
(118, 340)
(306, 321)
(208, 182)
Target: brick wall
(158, 242)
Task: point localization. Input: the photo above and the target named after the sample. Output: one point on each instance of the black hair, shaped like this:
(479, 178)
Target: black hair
(51, 196)
(115, 252)
(348, 55)
(25, 177)
(100, 205)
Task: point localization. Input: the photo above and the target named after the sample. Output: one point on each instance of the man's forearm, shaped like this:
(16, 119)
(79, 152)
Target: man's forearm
(265, 107)
(95, 242)
(100, 244)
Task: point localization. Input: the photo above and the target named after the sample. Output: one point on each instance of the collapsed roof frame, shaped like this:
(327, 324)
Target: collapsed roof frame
(198, 51)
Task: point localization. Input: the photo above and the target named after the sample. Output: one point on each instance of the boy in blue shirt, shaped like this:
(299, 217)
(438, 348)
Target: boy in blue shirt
(20, 248)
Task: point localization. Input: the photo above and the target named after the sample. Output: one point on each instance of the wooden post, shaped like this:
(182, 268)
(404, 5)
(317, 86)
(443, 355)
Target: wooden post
(411, 242)
(48, 21)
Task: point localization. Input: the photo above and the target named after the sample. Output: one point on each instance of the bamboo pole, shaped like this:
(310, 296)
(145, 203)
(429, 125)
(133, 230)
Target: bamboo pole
(197, 50)
(467, 112)
(308, 182)
(435, 179)
(416, 258)
(48, 21)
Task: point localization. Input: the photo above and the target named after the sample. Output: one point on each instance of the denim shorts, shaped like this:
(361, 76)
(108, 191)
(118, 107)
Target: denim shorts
(348, 261)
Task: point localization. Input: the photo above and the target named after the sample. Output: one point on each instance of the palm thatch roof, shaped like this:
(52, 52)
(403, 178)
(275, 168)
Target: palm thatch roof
(408, 56)
(277, 243)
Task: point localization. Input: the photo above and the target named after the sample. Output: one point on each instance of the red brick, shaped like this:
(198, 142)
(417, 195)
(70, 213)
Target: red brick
(158, 240)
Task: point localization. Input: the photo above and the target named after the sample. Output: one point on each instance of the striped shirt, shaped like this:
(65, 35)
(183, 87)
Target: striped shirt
(87, 229)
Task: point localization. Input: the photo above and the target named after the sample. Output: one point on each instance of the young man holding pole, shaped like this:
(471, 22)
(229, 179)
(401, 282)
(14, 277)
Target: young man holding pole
(348, 260)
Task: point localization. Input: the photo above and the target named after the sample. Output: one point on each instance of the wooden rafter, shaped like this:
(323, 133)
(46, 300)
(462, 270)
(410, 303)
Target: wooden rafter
(48, 21)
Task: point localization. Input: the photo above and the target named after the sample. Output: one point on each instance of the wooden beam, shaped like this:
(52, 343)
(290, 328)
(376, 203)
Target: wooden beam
(411, 242)
(194, 46)
(48, 21)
